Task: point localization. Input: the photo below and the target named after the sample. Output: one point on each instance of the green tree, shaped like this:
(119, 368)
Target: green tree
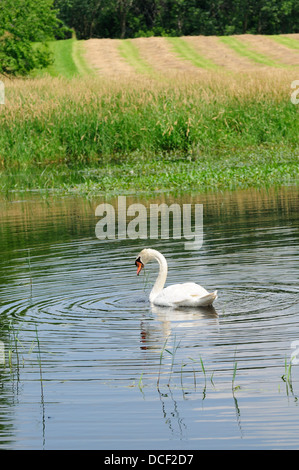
(131, 18)
(23, 22)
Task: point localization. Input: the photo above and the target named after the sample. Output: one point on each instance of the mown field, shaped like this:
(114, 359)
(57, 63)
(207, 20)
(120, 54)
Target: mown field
(150, 114)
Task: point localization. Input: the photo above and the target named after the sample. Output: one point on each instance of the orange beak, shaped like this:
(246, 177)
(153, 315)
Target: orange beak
(139, 266)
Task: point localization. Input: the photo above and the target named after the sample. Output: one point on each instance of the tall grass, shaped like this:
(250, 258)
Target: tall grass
(53, 121)
(227, 124)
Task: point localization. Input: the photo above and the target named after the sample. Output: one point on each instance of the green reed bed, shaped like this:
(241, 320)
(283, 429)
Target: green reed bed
(201, 134)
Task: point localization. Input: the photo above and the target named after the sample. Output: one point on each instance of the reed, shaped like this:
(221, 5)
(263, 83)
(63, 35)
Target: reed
(140, 383)
(234, 376)
(172, 353)
(287, 376)
(30, 272)
(160, 361)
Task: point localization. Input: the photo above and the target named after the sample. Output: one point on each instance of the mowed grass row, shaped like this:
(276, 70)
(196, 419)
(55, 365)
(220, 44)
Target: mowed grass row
(245, 51)
(287, 41)
(130, 52)
(185, 51)
(68, 60)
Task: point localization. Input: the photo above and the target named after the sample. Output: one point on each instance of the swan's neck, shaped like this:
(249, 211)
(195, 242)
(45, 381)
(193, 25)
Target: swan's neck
(161, 279)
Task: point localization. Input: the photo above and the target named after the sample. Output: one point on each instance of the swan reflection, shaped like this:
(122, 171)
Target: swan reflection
(185, 315)
(154, 333)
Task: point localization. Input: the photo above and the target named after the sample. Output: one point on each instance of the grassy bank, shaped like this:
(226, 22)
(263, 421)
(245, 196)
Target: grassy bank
(215, 129)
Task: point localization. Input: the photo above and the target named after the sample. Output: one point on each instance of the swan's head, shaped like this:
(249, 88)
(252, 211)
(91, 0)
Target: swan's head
(144, 257)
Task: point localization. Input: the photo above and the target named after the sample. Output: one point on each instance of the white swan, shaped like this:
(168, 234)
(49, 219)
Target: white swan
(177, 295)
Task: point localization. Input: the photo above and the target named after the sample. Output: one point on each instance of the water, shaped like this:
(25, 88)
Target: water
(89, 364)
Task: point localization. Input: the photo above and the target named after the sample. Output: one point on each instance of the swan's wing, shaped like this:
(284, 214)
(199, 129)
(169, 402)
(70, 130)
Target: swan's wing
(191, 288)
(170, 295)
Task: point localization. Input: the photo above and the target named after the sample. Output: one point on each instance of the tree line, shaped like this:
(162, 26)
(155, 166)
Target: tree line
(27, 25)
(137, 18)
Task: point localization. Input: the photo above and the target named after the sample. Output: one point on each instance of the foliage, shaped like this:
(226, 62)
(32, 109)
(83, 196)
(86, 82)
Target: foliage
(135, 18)
(23, 22)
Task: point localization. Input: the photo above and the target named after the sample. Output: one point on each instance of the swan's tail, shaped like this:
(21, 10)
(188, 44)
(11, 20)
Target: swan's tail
(207, 300)
(196, 301)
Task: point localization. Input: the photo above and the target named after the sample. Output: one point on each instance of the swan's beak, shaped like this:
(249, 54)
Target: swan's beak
(139, 266)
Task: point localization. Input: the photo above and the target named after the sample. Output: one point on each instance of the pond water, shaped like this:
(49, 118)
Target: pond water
(87, 363)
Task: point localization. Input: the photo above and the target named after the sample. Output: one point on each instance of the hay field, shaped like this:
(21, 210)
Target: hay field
(163, 57)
